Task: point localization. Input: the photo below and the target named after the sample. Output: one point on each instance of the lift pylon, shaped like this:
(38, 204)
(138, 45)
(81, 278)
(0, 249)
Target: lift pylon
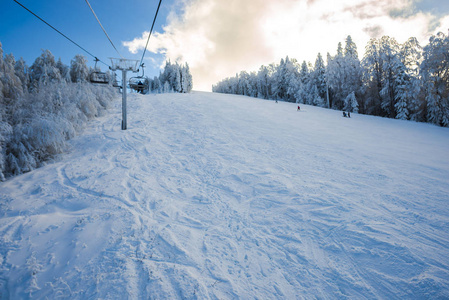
(124, 65)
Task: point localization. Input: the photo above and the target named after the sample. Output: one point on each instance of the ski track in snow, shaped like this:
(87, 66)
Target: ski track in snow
(210, 196)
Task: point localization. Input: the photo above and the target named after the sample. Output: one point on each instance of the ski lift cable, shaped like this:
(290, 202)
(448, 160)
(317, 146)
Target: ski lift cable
(60, 33)
(149, 35)
(103, 28)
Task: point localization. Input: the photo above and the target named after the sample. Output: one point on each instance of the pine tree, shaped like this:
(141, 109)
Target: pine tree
(373, 77)
(280, 82)
(435, 74)
(177, 79)
(389, 50)
(351, 48)
(411, 55)
(263, 83)
(315, 97)
(319, 77)
(336, 78)
(302, 93)
(352, 71)
(167, 88)
(351, 103)
(184, 82)
(156, 85)
(189, 78)
(401, 104)
(177, 76)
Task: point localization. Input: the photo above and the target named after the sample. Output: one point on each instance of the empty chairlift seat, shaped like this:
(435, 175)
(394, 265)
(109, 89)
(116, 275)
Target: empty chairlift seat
(99, 77)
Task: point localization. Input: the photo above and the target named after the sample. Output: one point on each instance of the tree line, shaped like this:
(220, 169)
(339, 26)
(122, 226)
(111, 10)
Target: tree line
(43, 106)
(402, 81)
(174, 78)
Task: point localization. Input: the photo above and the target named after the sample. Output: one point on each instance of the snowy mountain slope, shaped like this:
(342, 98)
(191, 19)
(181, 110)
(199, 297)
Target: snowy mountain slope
(222, 197)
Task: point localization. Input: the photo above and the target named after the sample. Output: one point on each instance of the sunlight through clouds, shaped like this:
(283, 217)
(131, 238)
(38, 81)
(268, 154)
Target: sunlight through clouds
(219, 38)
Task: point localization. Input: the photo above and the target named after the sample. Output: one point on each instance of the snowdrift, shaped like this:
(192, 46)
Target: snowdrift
(215, 196)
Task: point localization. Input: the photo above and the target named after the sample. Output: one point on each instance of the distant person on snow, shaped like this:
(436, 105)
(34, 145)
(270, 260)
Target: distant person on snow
(349, 114)
(344, 114)
(299, 108)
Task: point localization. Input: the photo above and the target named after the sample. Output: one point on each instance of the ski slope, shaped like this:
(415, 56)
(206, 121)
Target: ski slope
(212, 196)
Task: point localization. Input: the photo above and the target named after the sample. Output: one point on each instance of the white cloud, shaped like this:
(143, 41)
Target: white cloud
(443, 25)
(219, 38)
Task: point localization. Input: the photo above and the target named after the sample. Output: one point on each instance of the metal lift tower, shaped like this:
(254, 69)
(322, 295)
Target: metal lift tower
(124, 65)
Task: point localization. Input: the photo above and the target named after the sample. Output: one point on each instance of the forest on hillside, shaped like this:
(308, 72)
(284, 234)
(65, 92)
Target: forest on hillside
(402, 81)
(48, 103)
(43, 106)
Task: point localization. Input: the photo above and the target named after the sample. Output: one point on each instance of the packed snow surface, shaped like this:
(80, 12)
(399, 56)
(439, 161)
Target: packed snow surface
(214, 196)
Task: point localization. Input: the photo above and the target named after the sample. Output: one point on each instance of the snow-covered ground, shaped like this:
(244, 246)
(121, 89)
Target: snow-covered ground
(223, 197)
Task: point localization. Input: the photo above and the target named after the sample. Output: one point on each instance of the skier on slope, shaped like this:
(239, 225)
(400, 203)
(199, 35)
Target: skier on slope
(299, 108)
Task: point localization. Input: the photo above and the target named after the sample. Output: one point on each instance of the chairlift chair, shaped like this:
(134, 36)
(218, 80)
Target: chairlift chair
(140, 84)
(96, 76)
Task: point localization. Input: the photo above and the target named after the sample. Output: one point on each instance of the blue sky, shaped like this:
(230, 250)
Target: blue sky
(25, 36)
(218, 38)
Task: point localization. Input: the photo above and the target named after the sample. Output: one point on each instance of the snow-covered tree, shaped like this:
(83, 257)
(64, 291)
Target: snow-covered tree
(63, 70)
(319, 79)
(177, 87)
(435, 73)
(156, 85)
(3, 123)
(285, 79)
(22, 71)
(344, 74)
(351, 103)
(350, 48)
(167, 88)
(336, 78)
(35, 125)
(177, 77)
(263, 83)
(352, 71)
(44, 70)
(373, 77)
(79, 72)
(411, 55)
(401, 105)
(12, 86)
(392, 80)
(304, 82)
(392, 67)
(187, 81)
